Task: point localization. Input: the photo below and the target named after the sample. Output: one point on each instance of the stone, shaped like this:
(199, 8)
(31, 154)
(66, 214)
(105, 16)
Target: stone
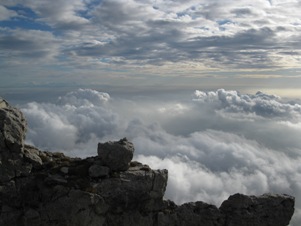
(55, 180)
(12, 134)
(200, 213)
(12, 128)
(264, 210)
(96, 171)
(64, 170)
(32, 154)
(116, 155)
(32, 217)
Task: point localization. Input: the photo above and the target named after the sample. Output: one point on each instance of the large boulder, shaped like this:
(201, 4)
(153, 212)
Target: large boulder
(264, 210)
(116, 155)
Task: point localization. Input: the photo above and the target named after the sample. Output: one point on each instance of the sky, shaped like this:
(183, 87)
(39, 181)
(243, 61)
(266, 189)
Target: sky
(242, 45)
(210, 90)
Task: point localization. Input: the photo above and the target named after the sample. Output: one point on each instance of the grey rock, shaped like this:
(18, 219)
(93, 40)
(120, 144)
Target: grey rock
(116, 155)
(64, 170)
(32, 217)
(12, 128)
(75, 208)
(264, 210)
(12, 134)
(130, 190)
(199, 213)
(96, 171)
(32, 154)
(55, 179)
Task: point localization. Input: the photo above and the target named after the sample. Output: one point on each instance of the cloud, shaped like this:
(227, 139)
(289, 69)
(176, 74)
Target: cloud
(85, 97)
(219, 143)
(59, 14)
(28, 44)
(6, 14)
(77, 119)
(47, 125)
(260, 104)
(209, 34)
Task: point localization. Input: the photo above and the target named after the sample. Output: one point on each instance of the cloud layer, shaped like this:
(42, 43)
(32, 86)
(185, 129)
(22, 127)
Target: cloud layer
(210, 34)
(215, 144)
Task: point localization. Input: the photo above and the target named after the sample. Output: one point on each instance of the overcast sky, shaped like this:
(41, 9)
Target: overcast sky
(243, 45)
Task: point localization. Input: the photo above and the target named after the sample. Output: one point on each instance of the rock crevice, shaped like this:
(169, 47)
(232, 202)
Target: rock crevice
(40, 188)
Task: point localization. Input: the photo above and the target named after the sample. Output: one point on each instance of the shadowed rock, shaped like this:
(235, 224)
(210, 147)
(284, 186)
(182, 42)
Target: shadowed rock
(50, 189)
(264, 210)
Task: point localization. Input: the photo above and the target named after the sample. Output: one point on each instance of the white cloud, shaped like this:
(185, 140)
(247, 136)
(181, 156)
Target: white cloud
(60, 14)
(211, 151)
(235, 34)
(6, 14)
(85, 97)
(78, 118)
(260, 104)
(30, 44)
(49, 128)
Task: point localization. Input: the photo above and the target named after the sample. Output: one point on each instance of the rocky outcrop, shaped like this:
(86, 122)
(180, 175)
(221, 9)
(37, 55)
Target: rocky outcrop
(262, 210)
(45, 189)
(12, 134)
(116, 155)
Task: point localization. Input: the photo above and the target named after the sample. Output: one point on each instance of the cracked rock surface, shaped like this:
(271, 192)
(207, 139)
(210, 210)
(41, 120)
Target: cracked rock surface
(40, 188)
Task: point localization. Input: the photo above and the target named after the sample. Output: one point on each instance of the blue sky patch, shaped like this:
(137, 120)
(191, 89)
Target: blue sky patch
(26, 19)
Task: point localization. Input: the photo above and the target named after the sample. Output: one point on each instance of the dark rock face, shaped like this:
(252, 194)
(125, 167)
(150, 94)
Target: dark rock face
(50, 189)
(262, 210)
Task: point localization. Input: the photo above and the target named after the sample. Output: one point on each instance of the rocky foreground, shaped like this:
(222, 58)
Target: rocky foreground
(40, 188)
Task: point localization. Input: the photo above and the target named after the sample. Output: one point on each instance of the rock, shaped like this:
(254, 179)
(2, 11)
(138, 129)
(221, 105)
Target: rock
(265, 210)
(12, 128)
(96, 171)
(130, 190)
(12, 135)
(116, 155)
(200, 213)
(64, 170)
(32, 154)
(40, 188)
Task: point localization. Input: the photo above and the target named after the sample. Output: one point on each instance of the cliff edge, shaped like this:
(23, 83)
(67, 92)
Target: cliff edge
(40, 188)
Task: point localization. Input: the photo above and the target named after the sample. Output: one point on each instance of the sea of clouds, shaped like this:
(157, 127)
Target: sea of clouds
(214, 144)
